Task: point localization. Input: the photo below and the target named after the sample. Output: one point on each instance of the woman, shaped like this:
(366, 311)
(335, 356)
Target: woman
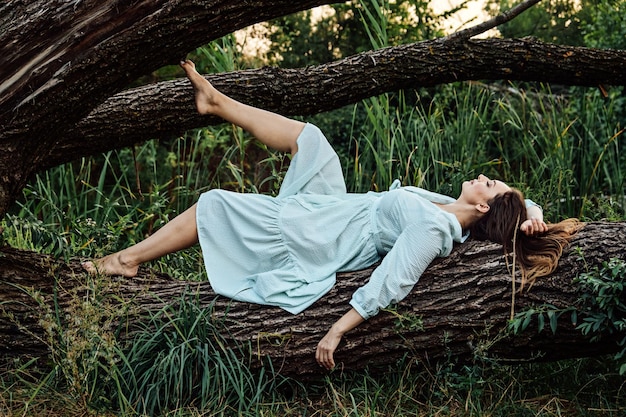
(286, 250)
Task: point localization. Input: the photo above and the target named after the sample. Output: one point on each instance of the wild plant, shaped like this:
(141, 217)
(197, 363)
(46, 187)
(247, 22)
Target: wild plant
(180, 358)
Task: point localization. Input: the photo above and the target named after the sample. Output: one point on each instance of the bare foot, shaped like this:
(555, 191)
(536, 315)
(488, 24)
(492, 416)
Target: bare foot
(206, 94)
(111, 265)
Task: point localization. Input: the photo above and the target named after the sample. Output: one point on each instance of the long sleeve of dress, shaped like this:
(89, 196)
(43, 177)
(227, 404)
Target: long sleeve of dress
(417, 246)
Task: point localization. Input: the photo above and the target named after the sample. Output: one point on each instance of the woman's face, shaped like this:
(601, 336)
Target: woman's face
(482, 189)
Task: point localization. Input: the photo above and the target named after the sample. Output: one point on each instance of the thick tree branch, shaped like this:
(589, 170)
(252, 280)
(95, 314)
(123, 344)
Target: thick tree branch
(166, 109)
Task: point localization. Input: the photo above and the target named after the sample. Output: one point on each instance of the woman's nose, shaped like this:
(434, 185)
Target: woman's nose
(482, 177)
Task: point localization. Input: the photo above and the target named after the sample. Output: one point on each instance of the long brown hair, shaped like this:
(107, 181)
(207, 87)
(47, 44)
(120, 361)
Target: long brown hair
(536, 256)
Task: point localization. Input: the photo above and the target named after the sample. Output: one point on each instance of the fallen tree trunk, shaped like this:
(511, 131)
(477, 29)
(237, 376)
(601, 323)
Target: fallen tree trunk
(462, 305)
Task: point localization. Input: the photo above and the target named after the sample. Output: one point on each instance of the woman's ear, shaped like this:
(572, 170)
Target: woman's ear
(482, 207)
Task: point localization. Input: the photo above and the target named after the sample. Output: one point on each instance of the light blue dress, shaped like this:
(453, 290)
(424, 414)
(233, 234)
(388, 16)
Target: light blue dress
(286, 250)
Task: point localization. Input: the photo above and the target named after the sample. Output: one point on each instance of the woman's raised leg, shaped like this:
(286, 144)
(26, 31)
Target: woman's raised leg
(276, 131)
(179, 233)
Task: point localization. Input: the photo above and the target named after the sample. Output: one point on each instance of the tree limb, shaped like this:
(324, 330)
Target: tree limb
(491, 23)
(167, 109)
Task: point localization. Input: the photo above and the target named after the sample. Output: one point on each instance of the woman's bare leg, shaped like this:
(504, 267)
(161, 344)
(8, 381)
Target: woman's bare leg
(179, 233)
(276, 131)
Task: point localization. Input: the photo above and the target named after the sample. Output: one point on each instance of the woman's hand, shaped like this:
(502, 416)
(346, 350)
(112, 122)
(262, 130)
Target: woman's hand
(324, 355)
(533, 226)
(326, 349)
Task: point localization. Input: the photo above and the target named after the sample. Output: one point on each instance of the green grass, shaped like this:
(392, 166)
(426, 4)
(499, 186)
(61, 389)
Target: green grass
(568, 388)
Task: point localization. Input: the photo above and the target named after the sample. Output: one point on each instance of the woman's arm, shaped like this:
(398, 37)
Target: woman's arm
(326, 347)
(535, 224)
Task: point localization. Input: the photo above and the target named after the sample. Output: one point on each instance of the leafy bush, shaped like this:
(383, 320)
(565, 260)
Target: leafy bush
(604, 298)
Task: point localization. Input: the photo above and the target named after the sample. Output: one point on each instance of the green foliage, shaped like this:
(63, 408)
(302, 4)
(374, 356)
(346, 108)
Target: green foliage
(558, 142)
(410, 388)
(222, 55)
(179, 358)
(554, 21)
(604, 301)
(81, 338)
(405, 321)
(34, 234)
(546, 314)
(592, 23)
(602, 310)
(415, 389)
(93, 203)
(606, 25)
(339, 31)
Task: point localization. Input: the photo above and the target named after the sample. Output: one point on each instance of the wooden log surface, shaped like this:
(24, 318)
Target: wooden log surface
(459, 309)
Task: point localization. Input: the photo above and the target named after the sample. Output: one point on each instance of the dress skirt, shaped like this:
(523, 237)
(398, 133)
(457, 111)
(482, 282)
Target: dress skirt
(286, 250)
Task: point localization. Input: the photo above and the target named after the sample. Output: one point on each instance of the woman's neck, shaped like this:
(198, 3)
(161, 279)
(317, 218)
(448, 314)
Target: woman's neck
(465, 213)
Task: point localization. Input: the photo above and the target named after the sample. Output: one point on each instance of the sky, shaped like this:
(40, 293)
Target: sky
(471, 15)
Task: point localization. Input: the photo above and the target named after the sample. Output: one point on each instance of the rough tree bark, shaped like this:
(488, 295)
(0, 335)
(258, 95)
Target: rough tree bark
(464, 302)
